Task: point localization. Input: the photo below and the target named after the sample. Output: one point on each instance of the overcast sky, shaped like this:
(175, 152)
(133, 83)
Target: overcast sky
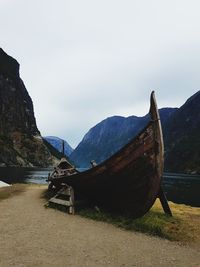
(85, 60)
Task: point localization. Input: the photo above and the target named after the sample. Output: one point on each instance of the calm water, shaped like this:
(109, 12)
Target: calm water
(24, 175)
(180, 188)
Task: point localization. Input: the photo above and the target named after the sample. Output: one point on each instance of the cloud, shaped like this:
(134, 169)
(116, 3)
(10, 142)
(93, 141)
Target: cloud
(83, 61)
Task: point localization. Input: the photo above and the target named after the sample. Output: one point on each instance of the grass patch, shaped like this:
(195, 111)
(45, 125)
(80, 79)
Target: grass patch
(184, 226)
(10, 191)
(153, 223)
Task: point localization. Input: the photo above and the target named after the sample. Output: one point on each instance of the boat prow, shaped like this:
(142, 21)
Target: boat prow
(130, 180)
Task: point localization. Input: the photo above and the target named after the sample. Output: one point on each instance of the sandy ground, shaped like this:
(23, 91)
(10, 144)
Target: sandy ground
(31, 235)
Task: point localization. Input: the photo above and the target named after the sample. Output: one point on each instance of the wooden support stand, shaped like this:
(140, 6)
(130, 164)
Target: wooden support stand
(163, 201)
(65, 197)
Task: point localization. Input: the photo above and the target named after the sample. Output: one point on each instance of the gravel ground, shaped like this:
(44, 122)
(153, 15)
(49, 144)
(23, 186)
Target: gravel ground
(31, 235)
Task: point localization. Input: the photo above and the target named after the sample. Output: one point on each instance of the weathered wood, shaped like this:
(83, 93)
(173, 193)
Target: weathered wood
(60, 201)
(164, 202)
(67, 192)
(63, 148)
(158, 136)
(64, 192)
(133, 173)
(71, 199)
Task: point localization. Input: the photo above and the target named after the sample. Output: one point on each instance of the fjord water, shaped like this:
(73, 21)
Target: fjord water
(179, 188)
(182, 188)
(12, 175)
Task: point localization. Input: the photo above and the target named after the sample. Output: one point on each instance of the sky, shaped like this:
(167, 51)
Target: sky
(84, 61)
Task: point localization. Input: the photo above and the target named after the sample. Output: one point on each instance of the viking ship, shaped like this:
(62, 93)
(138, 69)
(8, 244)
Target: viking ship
(130, 180)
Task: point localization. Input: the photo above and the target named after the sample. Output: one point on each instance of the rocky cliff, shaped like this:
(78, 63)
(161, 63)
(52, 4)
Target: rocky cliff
(182, 138)
(20, 141)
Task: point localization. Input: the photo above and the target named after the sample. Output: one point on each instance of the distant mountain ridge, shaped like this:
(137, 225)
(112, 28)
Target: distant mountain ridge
(108, 136)
(57, 142)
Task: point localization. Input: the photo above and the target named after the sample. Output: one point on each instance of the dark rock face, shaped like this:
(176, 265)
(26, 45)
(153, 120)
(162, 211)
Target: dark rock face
(182, 137)
(16, 107)
(20, 140)
(108, 136)
(8, 65)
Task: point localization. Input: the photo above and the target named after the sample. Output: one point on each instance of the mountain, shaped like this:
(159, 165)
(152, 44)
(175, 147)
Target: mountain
(20, 141)
(182, 138)
(108, 136)
(181, 131)
(102, 141)
(57, 143)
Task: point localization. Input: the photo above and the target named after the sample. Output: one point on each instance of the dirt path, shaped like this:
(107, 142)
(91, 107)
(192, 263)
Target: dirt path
(31, 235)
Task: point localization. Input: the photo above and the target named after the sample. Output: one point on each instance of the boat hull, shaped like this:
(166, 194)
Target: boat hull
(129, 181)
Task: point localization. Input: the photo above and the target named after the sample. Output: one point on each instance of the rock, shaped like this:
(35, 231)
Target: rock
(20, 141)
(182, 137)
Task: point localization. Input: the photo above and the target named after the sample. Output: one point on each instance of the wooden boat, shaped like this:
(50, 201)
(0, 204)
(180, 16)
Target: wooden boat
(64, 168)
(129, 181)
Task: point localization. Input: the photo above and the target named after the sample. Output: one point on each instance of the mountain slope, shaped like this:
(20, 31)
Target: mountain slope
(182, 137)
(102, 141)
(20, 141)
(57, 143)
(108, 136)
